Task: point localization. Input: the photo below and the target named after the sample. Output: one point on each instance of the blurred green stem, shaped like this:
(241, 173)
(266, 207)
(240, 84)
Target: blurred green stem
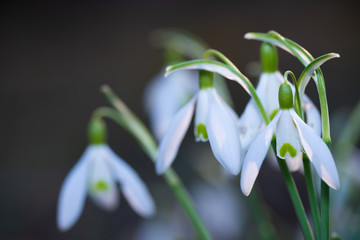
(125, 118)
(314, 205)
(325, 223)
(295, 197)
(265, 228)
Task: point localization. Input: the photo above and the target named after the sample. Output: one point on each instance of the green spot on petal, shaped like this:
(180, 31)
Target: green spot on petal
(286, 147)
(100, 186)
(272, 115)
(201, 130)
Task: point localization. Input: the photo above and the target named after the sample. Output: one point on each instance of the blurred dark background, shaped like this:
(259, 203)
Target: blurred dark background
(54, 57)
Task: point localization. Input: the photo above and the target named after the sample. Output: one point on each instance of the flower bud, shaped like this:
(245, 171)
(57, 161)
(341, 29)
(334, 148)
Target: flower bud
(285, 96)
(97, 133)
(269, 58)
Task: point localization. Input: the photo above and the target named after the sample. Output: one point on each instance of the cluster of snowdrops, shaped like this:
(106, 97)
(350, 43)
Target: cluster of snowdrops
(279, 116)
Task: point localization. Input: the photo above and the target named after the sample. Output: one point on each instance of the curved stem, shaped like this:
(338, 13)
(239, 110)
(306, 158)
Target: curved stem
(295, 197)
(130, 122)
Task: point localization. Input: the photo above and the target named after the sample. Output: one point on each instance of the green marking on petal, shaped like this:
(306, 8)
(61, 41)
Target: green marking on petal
(272, 115)
(201, 130)
(286, 147)
(100, 186)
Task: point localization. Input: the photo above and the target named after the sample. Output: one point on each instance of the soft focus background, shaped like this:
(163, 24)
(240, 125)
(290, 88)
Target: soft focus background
(54, 57)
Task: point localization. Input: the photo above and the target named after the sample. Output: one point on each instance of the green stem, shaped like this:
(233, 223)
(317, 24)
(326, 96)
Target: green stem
(314, 205)
(325, 128)
(295, 197)
(325, 223)
(265, 228)
(349, 136)
(130, 122)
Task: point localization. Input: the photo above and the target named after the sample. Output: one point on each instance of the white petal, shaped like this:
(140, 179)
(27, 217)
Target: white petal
(271, 100)
(133, 188)
(102, 187)
(223, 135)
(251, 120)
(294, 164)
(318, 153)
(256, 154)
(249, 124)
(287, 135)
(212, 67)
(176, 89)
(175, 133)
(313, 118)
(73, 193)
(202, 109)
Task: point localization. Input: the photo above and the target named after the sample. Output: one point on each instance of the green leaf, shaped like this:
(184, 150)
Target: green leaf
(310, 69)
(212, 66)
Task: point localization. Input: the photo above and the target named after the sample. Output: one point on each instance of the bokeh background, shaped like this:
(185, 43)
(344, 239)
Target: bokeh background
(54, 57)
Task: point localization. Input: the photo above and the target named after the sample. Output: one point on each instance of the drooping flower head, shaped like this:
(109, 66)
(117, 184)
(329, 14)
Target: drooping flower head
(214, 121)
(292, 137)
(164, 96)
(250, 121)
(96, 173)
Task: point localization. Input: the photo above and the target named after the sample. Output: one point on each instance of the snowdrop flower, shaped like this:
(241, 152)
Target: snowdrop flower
(292, 135)
(96, 174)
(250, 121)
(214, 121)
(165, 96)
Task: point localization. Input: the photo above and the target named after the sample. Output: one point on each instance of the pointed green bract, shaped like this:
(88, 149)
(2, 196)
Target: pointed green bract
(201, 130)
(287, 148)
(268, 57)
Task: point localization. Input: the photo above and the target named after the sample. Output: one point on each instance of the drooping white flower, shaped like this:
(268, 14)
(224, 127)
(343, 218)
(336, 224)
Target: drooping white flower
(251, 121)
(292, 135)
(165, 96)
(214, 121)
(96, 174)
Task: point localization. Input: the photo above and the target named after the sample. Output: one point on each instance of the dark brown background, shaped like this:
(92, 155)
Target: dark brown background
(54, 57)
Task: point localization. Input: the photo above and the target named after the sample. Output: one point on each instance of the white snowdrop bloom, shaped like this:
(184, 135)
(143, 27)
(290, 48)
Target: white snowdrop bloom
(251, 121)
(96, 174)
(292, 136)
(165, 96)
(214, 121)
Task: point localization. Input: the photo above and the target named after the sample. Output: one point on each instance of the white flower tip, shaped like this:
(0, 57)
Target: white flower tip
(333, 183)
(248, 177)
(234, 170)
(159, 168)
(167, 71)
(64, 224)
(335, 55)
(245, 189)
(248, 35)
(150, 211)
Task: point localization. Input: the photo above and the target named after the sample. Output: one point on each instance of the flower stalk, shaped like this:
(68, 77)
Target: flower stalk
(125, 118)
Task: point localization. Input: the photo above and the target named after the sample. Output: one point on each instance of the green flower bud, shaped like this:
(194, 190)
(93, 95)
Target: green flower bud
(97, 133)
(285, 96)
(269, 58)
(206, 79)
